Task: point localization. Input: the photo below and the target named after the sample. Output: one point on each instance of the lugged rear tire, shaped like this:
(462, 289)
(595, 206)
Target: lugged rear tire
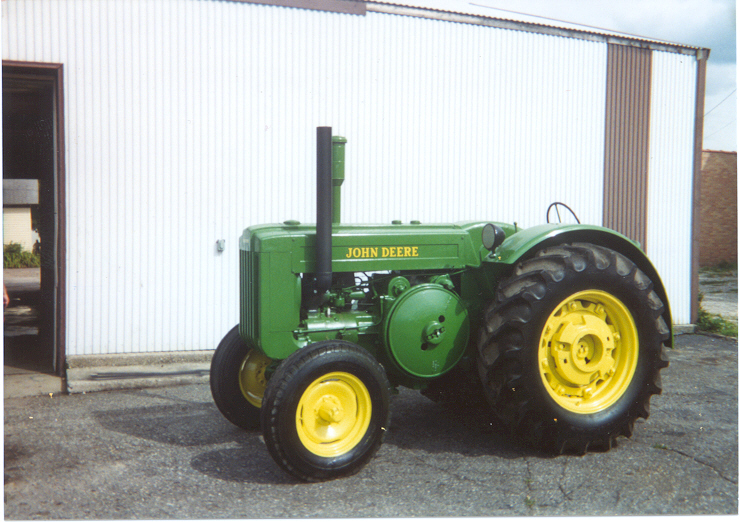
(571, 349)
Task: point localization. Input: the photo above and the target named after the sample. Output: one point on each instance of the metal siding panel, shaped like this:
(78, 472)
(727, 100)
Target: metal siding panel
(75, 162)
(524, 131)
(627, 140)
(671, 176)
(188, 121)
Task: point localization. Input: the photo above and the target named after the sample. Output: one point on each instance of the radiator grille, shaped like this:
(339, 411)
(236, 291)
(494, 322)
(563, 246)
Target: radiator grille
(248, 303)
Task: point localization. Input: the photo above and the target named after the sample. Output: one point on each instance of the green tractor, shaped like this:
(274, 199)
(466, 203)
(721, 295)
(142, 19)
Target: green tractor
(561, 327)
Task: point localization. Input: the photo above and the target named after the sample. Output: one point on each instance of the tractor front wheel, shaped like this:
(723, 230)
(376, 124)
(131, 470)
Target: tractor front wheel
(571, 349)
(325, 411)
(238, 380)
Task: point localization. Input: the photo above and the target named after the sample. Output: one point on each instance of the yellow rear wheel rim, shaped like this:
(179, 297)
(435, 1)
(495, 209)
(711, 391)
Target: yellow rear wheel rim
(252, 380)
(588, 352)
(333, 414)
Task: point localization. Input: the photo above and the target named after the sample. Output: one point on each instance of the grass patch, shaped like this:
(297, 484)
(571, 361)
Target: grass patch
(725, 267)
(712, 323)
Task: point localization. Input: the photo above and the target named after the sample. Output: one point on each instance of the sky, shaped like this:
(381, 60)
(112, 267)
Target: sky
(701, 23)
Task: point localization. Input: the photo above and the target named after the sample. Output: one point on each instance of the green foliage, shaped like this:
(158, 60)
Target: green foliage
(727, 266)
(12, 248)
(712, 323)
(15, 257)
(723, 268)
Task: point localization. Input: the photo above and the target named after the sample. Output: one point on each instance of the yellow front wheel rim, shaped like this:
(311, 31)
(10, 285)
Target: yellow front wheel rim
(252, 380)
(588, 352)
(333, 414)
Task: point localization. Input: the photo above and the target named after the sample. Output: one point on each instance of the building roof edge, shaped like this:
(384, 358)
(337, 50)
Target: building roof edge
(611, 37)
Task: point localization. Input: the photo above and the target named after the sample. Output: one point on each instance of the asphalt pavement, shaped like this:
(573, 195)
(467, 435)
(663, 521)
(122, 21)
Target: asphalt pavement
(167, 453)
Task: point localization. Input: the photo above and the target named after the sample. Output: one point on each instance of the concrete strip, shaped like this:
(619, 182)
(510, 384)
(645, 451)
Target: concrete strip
(31, 384)
(85, 380)
(139, 359)
(22, 280)
(680, 329)
(132, 371)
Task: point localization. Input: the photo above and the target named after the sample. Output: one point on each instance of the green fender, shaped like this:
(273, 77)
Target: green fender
(527, 242)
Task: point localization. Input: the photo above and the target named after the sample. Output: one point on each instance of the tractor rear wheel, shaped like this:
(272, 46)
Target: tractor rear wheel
(325, 411)
(238, 380)
(571, 349)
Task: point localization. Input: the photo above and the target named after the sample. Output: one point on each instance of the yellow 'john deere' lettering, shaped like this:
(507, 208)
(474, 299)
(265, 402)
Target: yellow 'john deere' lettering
(375, 252)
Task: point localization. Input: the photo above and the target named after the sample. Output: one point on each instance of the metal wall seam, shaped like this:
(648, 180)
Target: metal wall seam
(701, 75)
(188, 121)
(670, 196)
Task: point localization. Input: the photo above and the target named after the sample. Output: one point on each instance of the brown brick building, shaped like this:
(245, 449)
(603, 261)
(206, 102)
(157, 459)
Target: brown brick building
(718, 208)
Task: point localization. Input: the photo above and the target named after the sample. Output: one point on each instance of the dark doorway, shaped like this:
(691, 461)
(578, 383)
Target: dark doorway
(33, 179)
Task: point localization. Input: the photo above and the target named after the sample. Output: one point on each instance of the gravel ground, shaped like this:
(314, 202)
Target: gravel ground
(168, 454)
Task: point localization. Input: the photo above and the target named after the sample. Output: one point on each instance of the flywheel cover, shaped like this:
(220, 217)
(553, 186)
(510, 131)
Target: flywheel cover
(427, 330)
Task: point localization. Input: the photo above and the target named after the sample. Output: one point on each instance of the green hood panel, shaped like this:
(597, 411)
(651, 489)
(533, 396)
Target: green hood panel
(358, 248)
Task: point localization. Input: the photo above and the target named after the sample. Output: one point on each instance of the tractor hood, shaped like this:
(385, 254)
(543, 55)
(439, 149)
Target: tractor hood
(358, 248)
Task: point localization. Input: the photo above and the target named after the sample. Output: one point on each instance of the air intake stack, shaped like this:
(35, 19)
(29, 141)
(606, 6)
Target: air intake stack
(337, 176)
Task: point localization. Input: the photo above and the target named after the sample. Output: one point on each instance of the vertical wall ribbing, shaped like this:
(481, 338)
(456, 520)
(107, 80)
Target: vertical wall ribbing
(627, 139)
(671, 191)
(187, 121)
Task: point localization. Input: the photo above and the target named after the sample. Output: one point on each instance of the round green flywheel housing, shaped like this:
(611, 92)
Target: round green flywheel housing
(427, 330)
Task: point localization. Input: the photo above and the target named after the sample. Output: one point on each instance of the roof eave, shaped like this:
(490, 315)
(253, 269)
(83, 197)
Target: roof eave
(516, 25)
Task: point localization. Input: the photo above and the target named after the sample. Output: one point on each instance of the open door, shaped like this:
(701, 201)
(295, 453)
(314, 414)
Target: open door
(33, 195)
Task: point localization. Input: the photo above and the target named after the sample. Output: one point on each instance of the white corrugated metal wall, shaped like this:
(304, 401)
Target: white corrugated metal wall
(186, 121)
(670, 197)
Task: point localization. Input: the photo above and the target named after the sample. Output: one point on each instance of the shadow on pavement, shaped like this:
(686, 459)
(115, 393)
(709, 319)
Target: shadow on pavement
(171, 424)
(248, 463)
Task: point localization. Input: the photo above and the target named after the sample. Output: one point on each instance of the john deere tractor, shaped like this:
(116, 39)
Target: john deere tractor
(562, 328)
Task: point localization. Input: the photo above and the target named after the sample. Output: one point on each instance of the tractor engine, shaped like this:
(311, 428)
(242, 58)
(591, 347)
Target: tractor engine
(416, 324)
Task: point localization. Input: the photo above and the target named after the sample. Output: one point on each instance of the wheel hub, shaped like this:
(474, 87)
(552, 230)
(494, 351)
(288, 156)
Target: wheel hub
(333, 414)
(583, 348)
(588, 351)
(252, 379)
(329, 409)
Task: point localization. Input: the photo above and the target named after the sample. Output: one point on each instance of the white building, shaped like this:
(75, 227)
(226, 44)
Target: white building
(178, 123)
(19, 195)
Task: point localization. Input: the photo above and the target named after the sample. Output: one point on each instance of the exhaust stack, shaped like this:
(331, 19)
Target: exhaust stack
(323, 274)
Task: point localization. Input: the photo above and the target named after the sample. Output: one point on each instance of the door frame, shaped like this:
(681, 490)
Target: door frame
(54, 74)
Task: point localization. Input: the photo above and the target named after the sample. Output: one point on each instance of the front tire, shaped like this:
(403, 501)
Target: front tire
(325, 411)
(238, 380)
(571, 349)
